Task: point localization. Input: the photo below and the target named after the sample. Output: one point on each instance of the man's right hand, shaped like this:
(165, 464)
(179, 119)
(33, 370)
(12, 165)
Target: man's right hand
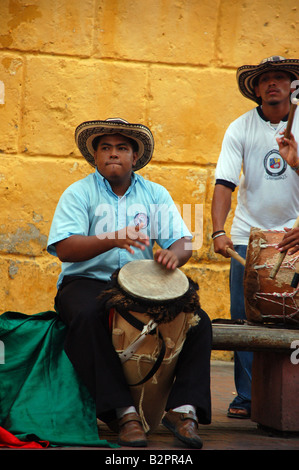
(221, 244)
(131, 236)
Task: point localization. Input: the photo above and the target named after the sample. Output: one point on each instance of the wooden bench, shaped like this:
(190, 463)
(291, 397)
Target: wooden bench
(275, 369)
(245, 336)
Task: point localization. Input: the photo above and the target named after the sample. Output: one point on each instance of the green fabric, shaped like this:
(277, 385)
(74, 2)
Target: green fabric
(40, 393)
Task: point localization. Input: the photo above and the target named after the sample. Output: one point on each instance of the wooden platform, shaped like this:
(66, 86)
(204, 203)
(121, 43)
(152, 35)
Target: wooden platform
(223, 433)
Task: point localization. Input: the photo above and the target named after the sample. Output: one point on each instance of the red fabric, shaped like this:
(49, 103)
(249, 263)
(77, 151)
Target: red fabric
(9, 440)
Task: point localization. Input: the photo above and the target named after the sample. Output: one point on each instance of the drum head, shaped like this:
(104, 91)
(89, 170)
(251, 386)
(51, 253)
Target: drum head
(149, 280)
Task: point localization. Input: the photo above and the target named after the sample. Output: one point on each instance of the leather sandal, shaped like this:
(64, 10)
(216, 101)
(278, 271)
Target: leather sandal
(184, 426)
(131, 432)
(239, 413)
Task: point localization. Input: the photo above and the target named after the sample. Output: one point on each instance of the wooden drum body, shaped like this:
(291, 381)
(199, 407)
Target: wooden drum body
(269, 300)
(144, 294)
(150, 397)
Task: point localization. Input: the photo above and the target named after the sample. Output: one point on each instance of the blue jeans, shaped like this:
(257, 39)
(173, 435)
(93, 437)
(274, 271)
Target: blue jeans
(243, 359)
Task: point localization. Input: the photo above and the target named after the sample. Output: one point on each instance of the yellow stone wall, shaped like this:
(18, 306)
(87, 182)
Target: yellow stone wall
(169, 64)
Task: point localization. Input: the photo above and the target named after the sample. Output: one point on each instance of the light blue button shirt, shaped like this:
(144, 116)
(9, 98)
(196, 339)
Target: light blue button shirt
(90, 207)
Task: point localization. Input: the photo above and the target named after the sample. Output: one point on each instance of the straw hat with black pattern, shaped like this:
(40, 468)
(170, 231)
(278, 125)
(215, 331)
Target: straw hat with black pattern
(88, 131)
(247, 74)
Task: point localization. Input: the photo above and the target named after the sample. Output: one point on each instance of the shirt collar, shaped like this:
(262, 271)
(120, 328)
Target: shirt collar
(103, 182)
(261, 114)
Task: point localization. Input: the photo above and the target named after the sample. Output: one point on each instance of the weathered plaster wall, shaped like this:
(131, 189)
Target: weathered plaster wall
(168, 64)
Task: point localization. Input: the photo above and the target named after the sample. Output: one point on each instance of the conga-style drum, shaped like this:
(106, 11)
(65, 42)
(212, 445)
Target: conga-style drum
(151, 310)
(269, 300)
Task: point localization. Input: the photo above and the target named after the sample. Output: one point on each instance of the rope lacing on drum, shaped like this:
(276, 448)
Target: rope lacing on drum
(283, 296)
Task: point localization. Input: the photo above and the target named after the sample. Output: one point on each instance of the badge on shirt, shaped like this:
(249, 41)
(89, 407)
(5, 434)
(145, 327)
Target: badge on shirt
(141, 218)
(275, 165)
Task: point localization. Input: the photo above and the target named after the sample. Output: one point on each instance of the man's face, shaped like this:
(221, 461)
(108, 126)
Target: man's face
(273, 87)
(115, 157)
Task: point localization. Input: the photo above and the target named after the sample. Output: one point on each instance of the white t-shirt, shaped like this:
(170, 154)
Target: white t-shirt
(268, 195)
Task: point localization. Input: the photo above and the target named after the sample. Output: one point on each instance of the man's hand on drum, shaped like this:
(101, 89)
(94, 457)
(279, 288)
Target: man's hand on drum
(132, 236)
(221, 244)
(176, 255)
(168, 258)
(290, 241)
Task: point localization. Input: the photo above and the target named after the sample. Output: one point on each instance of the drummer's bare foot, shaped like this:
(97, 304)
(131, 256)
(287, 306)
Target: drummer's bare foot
(240, 413)
(184, 427)
(131, 432)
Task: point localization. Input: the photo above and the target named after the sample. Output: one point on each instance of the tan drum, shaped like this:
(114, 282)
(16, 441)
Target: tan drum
(166, 303)
(269, 300)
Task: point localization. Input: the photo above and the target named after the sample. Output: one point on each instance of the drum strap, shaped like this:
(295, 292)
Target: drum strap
(139, 325)
(133, 347)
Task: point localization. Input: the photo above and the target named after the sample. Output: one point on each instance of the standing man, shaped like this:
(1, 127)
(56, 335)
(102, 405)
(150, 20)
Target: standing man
(268, 195)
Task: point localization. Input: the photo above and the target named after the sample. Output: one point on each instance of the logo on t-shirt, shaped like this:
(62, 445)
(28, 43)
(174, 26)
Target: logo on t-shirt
(275, 165)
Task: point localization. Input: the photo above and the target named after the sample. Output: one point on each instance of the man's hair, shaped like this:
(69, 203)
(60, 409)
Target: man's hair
(132, 142)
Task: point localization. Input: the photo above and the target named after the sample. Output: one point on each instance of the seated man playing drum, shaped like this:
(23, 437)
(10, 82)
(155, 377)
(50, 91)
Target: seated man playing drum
(101, 223)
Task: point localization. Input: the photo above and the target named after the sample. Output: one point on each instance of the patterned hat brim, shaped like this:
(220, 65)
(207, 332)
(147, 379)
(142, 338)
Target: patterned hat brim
(248, 73)
(86, 132)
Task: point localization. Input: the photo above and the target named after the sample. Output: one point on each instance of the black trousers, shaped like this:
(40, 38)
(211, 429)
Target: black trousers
(89, 347)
